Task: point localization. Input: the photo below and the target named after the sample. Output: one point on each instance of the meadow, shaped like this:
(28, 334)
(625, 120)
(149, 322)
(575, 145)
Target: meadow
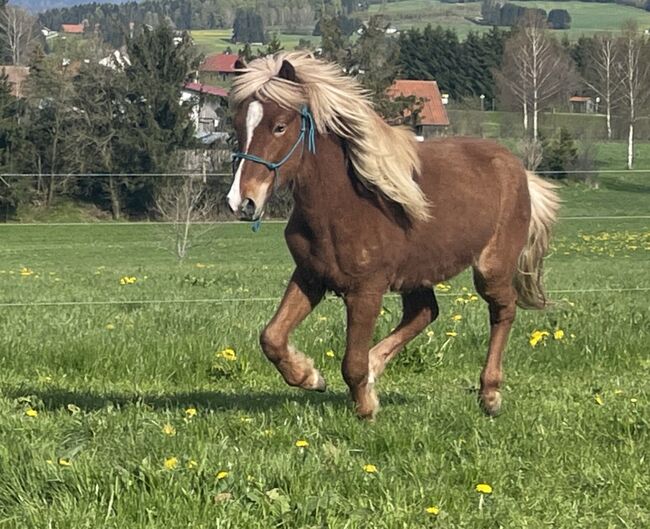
(587, 17)
(218, 40)
(133, 393)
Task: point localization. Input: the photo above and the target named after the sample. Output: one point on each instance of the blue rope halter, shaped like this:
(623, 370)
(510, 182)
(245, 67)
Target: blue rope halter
(307, 130)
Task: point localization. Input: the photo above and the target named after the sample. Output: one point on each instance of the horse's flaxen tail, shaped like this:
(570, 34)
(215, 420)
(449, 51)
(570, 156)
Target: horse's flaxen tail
(544, 204)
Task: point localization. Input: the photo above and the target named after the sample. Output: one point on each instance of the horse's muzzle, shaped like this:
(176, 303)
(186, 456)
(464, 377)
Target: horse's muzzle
(247, 210)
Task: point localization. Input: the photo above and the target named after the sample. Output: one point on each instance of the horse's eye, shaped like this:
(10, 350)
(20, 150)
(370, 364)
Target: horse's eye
(279, 129)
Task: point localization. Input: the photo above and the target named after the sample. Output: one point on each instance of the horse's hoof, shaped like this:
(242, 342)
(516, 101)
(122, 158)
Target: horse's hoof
(491, 403)
(315, 382)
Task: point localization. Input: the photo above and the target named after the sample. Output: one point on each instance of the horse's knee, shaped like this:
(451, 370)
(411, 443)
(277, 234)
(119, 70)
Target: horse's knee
(354, 371)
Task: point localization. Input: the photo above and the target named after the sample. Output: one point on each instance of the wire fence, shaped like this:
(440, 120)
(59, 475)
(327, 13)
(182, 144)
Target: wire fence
(276, 299)
(222, 174)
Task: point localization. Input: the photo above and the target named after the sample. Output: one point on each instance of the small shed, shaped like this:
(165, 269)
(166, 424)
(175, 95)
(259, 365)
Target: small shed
(582, 104)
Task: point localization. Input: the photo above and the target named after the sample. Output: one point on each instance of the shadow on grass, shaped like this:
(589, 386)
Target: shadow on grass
(59, 398)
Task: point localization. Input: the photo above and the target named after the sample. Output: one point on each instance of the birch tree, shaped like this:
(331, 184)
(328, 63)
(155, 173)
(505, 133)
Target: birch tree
(634, 68)
(536, 70)
(17, 28)
(602, 76)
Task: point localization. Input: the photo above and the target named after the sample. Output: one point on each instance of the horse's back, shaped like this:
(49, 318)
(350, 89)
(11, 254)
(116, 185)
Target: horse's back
(476, 187)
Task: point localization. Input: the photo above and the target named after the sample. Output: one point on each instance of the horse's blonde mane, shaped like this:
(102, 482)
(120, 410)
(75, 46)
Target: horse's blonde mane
(384, 157)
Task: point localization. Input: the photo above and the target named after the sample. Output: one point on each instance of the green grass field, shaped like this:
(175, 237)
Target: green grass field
(130, 415)
(218, 40)
(587, 17)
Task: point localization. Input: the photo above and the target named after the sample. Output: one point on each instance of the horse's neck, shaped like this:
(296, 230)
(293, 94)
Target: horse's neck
(324, 186)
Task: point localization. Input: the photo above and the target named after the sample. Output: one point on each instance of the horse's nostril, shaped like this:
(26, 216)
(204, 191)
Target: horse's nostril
(248, 208)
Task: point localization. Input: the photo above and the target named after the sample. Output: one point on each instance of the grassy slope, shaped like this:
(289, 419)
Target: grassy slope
(106, 379)
(587, 18)
(217, 40)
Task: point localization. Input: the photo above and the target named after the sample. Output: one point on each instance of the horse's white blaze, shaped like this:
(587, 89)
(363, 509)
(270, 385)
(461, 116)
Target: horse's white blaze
(254, 116)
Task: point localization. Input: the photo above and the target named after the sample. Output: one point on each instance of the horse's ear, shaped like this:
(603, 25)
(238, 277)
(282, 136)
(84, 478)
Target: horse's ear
(288, 72)
(239, 65)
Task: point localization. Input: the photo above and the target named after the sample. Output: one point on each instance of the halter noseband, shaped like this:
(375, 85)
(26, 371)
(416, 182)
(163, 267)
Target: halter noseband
(307, 129)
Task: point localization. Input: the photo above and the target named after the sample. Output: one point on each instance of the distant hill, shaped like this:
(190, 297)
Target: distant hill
(38, 6)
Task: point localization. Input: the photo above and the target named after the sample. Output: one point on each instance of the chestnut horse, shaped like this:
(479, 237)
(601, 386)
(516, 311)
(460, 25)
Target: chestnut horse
(377, 211)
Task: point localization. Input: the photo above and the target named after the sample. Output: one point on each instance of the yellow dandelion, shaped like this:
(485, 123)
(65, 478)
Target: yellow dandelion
(192, 464)
(536, 337)
(268, 433)
(473, 298)
(65, 461)
(200, 265)
(246, 419)
(558, 334)
(484, 488)
(171, 463)
(456, 317)
(633, 400)
(598, 399)
(31, 412)
(228, 354)
(190, 412)
(370, 469)
(330, 354)
(128, 280)
(168, 429)
(302, 443)
(429, 334)
(110, 326)
(433, 510)
(222, 474)
(451, 333)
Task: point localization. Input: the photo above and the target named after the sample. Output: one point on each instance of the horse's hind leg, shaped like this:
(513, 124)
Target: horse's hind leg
(495, 286)
(420, 309)
(300, 298)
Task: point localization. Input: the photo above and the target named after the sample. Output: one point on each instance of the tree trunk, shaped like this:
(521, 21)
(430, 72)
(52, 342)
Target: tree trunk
(116, 208)
(609, 119)
(535, 114)
(630, 146)
(525, 117)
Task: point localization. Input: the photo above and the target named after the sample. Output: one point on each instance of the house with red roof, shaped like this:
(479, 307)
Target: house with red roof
(432, 117)
(209, 110)
(74, 29)
(218, 66)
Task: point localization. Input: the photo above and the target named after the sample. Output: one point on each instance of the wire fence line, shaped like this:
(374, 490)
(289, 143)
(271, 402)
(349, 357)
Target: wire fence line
(221, 174)
(269, 221)
(222, 301)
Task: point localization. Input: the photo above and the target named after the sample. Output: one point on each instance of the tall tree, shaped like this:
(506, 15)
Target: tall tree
(375, 57)
(49, 121)
(601, 73)
(635, 77)
(535, 70)
(19, 34)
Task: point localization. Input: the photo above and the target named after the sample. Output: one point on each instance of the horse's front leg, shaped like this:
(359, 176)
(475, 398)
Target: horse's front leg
(363, 309)
(300, 298)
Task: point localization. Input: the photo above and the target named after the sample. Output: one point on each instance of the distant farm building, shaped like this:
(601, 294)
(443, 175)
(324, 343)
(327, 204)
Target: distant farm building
(582, 104)
(218, 66)
(73, 29)
(209, 110)
(16, 76)
(432, 116)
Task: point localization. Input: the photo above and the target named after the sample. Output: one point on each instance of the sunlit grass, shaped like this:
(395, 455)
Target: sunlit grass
(150, 415)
